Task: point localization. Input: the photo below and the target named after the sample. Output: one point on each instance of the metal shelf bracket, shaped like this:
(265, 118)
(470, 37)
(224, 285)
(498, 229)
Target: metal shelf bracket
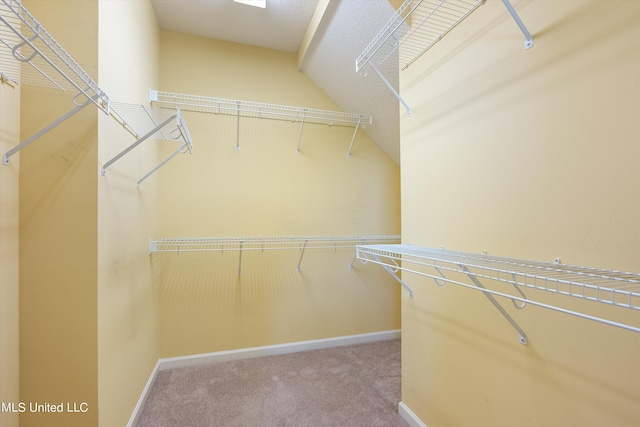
(32, 138)
(528, 42)
(180, 132)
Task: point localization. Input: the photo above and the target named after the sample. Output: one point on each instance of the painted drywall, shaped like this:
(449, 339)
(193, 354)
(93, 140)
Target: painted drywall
(127, 338)
(530, 154)
(9, 253)
(58, 236)
(266, 189)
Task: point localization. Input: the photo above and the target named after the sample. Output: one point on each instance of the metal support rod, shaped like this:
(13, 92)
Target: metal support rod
(353, 138)
(527, 35)
(240, 259)
(152, 171)
(138, 142)
(356, 256)
(394, 275)
(301, 255)
(46, 129)
(238, 128)
(395, 92)
(523, 336)
(301, 127)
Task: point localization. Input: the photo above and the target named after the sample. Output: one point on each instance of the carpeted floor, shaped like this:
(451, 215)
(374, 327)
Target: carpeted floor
(356, 385)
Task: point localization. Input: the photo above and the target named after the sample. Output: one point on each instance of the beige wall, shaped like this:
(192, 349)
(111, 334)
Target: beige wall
(530, 154)
(265, 189)
(58, 235)
(127, 344)
(9, 252)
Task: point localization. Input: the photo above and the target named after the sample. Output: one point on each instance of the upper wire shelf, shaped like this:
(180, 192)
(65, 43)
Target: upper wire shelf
(30, 55)
(414, 28)
(259, 110)
(610, 287)
(237, 108)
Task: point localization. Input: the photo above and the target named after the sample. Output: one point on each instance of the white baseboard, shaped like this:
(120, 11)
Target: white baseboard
(270, 350)
(248, 353)
(143, 396)
(408, 415)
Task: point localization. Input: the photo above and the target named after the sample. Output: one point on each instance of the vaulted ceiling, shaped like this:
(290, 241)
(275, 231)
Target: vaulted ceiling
(343, 30)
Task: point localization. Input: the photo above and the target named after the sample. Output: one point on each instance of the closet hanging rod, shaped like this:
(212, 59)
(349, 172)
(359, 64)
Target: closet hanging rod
(240, 108)
(609, 287)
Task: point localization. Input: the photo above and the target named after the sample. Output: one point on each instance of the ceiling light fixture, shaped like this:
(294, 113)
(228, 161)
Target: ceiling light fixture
(256, 3)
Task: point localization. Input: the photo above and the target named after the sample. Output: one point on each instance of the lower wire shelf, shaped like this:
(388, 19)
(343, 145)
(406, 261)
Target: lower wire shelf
(609, 287)
(271, 243)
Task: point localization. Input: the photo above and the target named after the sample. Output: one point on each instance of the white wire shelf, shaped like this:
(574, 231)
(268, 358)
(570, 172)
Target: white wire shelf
(273, 243)
(609, 287)
(207, 244)
(233, 107)
(250, 109)
(430, 20)
(415, 28)
(151, 122)
(30, 55)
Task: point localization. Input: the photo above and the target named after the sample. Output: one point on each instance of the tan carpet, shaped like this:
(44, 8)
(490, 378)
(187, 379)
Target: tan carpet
(356, 385)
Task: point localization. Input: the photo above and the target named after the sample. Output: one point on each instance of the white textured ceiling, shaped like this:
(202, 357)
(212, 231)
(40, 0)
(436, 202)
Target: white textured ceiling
(346, 28)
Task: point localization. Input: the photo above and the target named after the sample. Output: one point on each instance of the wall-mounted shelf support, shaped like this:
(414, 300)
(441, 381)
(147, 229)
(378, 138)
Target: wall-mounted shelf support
(304, 246)
(238, 128)
(179, 132)
(393, 271)
(528, 42)
(4, 79)
(32, 138)
(237, 108)
(609, 287)
(390, 86)
(353, 138)
(182, 149)
(523, 337)
(304, 115)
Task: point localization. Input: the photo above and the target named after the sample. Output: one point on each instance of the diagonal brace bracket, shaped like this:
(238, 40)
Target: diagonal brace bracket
(77, 109)
(523, 336)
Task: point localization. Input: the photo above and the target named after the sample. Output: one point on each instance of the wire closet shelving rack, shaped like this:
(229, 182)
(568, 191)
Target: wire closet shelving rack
(30, 55)
(608, 287)
(414, 28)
(270, 243)
(250, 109)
